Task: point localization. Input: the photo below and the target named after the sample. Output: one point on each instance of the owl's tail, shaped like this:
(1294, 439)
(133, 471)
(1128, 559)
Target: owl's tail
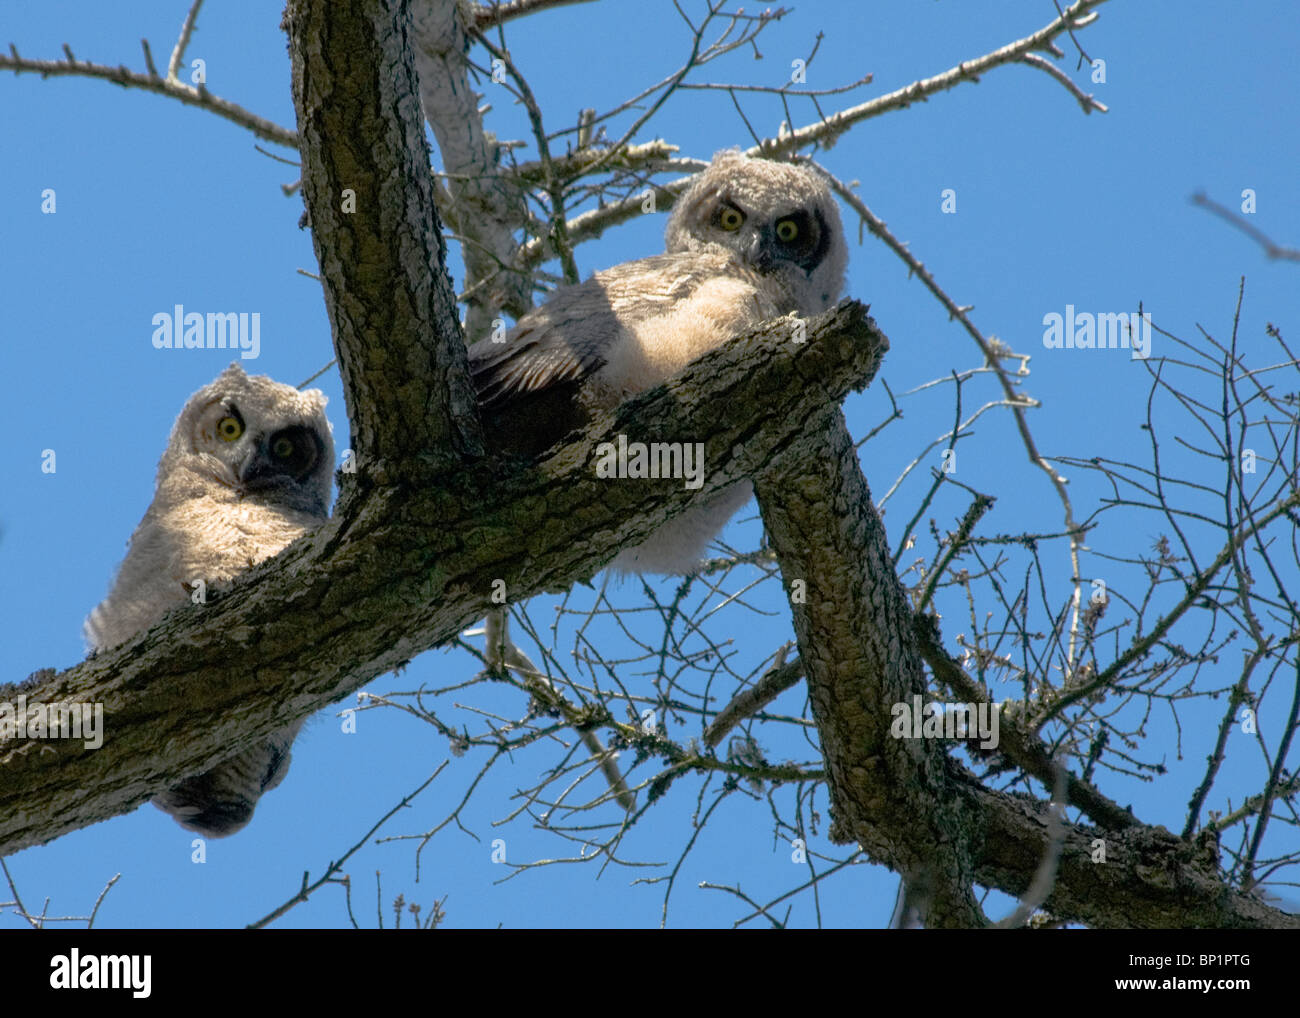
(219, 802)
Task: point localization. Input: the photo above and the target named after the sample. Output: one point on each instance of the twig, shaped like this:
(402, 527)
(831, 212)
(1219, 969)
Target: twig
(18, 901)
(100, 900)
(308, 889)
(490, 15)
(1085, 100)
(1271, 250)
(183, 41)
(826, 130)
(775, 681)
(306, 382)
(956, 541)
(187, 94)
(775, 89)
(148, 58)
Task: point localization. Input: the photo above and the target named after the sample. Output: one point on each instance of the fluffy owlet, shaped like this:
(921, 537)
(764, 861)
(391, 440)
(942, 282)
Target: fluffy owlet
(750, 240)
(248, 470)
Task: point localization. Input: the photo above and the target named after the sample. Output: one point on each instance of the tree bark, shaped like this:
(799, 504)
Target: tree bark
(426, 524)
(405, 564)
(851, 616)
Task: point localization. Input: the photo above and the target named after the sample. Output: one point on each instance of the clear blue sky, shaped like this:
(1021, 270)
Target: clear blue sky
(160, 204)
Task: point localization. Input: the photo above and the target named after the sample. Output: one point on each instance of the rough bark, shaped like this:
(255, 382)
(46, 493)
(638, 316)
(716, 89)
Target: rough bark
(378, 243)
(403, 566)
(904, 801)
(425, 525)
(853, 622)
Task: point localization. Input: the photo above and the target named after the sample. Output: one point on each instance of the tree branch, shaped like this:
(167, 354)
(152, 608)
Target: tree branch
(1078, 14)
(1272, 250)
(492, 14)
(381, 253)
(855, 642)
(486, 205)
(151, 82)
(402, 567)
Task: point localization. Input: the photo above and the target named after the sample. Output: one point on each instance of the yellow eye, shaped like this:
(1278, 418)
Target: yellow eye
(229, 428)
(282, 448)
(787, 230)
(730, 219)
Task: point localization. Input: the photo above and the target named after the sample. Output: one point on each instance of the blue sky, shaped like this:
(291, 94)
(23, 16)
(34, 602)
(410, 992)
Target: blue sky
(160, 204)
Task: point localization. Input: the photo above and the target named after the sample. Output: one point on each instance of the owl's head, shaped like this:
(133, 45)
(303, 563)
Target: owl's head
(264, 439)
(778, 218)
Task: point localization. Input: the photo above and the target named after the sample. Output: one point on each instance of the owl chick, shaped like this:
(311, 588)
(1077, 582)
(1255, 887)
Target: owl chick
(750, 240)
(247, 470)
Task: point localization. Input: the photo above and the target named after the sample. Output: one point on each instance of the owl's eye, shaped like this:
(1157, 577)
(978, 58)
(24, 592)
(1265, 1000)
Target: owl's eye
(291, 452)
(730, 219)
(229, 428)
(787, 231)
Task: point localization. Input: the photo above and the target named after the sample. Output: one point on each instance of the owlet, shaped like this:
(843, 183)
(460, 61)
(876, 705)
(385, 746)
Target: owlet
(750, 240)
(247, 470)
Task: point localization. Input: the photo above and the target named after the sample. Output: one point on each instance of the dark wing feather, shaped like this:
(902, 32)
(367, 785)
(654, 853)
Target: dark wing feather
(566, 339)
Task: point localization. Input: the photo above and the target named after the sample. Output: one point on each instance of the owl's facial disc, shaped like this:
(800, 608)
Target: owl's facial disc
(286, 456)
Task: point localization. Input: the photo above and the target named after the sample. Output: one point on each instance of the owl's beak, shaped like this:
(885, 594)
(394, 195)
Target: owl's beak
(258, 472)
(762, 254)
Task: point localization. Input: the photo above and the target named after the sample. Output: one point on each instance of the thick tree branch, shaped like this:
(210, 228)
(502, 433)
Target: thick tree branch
(904, 801)
(856, 645)
(403, 567)
(376, 234)
(1147, 878)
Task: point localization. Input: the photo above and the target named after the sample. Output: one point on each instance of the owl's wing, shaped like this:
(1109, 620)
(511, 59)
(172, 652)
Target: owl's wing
(569, 336)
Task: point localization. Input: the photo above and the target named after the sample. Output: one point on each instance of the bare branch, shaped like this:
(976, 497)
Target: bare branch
(150, 82)
(781, 676)
(1272, 250)
(485, 205)
(491, 15)
(336, 865)
(183, 41)
(825, 131)
(1086, 101)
